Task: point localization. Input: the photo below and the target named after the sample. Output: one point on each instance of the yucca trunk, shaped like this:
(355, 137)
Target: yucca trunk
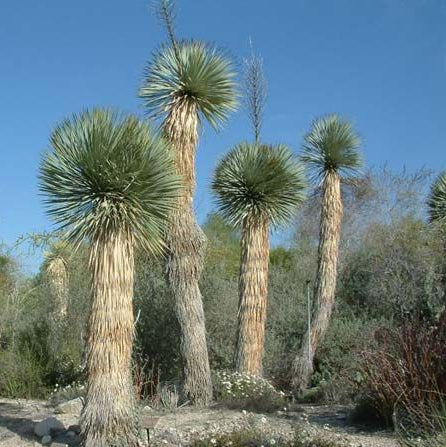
(325, 286)
(108, 417)
(58, 277)
(253, 291)
(186, 246)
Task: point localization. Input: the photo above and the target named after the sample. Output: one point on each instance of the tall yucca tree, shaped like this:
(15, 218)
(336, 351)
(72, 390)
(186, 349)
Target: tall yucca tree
(56, 270)
(187, 83)
(330, 152)
(109, 180)
(257, 187)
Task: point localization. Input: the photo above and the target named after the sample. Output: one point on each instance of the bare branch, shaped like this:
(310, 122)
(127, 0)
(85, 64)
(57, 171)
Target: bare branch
(165, 10)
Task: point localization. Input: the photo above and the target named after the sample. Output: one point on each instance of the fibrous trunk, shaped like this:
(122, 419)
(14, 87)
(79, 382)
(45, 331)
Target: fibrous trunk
(325, 286)
(186, 245)
(58, 275)
(108, 417)
(253, 291)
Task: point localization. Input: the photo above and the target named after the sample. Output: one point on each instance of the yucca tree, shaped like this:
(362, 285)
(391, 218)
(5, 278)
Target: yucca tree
(56, 270)
(186, 84)
(437, 200)
(436, 204)
(257, 187)
(330, 152)
(109, 180)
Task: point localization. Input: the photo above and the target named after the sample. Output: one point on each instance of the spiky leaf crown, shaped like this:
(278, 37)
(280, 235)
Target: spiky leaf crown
(108, 173)
(191, 71)
(437, 199)
(259, 181)
(332, 146)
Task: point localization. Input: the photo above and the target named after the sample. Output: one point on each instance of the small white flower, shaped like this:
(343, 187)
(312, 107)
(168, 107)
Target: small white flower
(272, 442)
(263, 420)
(213, 441)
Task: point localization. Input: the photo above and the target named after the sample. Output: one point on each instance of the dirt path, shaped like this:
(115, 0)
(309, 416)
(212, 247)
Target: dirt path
(17, 418)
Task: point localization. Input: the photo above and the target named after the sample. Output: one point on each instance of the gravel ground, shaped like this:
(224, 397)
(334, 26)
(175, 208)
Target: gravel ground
(178, 428)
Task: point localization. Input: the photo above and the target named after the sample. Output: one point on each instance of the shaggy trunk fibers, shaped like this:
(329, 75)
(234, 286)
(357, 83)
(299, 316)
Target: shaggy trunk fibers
(253, 290)
(108, 417)
(186, 245)
(58, 278)
(325, 286)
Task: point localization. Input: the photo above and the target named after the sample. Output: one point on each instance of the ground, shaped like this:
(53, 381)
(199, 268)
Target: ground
(17, 418)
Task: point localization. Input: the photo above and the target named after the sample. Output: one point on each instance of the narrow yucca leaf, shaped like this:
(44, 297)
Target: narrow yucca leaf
(193, 71)
(260, 182)
(437, 199)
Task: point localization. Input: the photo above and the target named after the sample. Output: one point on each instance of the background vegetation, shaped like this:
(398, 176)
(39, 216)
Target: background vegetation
(391, 271)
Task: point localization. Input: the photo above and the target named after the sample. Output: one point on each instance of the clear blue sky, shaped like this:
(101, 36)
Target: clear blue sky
(380, 63)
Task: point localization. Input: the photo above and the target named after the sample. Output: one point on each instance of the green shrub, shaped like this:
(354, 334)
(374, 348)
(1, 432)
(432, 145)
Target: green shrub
(237, 390)
(21, 376)
(244, 438)
(430, 429)
(338, 359)
(157, 329)
(67, 392)
(251, 437)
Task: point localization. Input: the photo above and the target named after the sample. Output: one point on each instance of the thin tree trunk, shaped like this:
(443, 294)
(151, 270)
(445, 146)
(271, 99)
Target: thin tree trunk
(325, 286)
(253, 291)
(186, 248)
(58, 275)
(108, 417)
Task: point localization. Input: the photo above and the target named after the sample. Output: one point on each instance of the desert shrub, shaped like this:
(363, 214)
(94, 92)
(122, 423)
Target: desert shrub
(254, 437)
(157, 331)
(241, 438)
(21, 376)
(365, 412)
(338, 360)
(36, 352)
(68, 392)
(286, 316)
(406, 375)
(422, 425)
(220, 299)
(238, 390)
(396, 271)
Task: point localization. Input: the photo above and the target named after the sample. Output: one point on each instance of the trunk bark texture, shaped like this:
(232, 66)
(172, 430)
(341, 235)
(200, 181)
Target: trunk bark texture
(325, 286)
(108, 417)
(58, 275)
(253, 291)
(186, 249)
